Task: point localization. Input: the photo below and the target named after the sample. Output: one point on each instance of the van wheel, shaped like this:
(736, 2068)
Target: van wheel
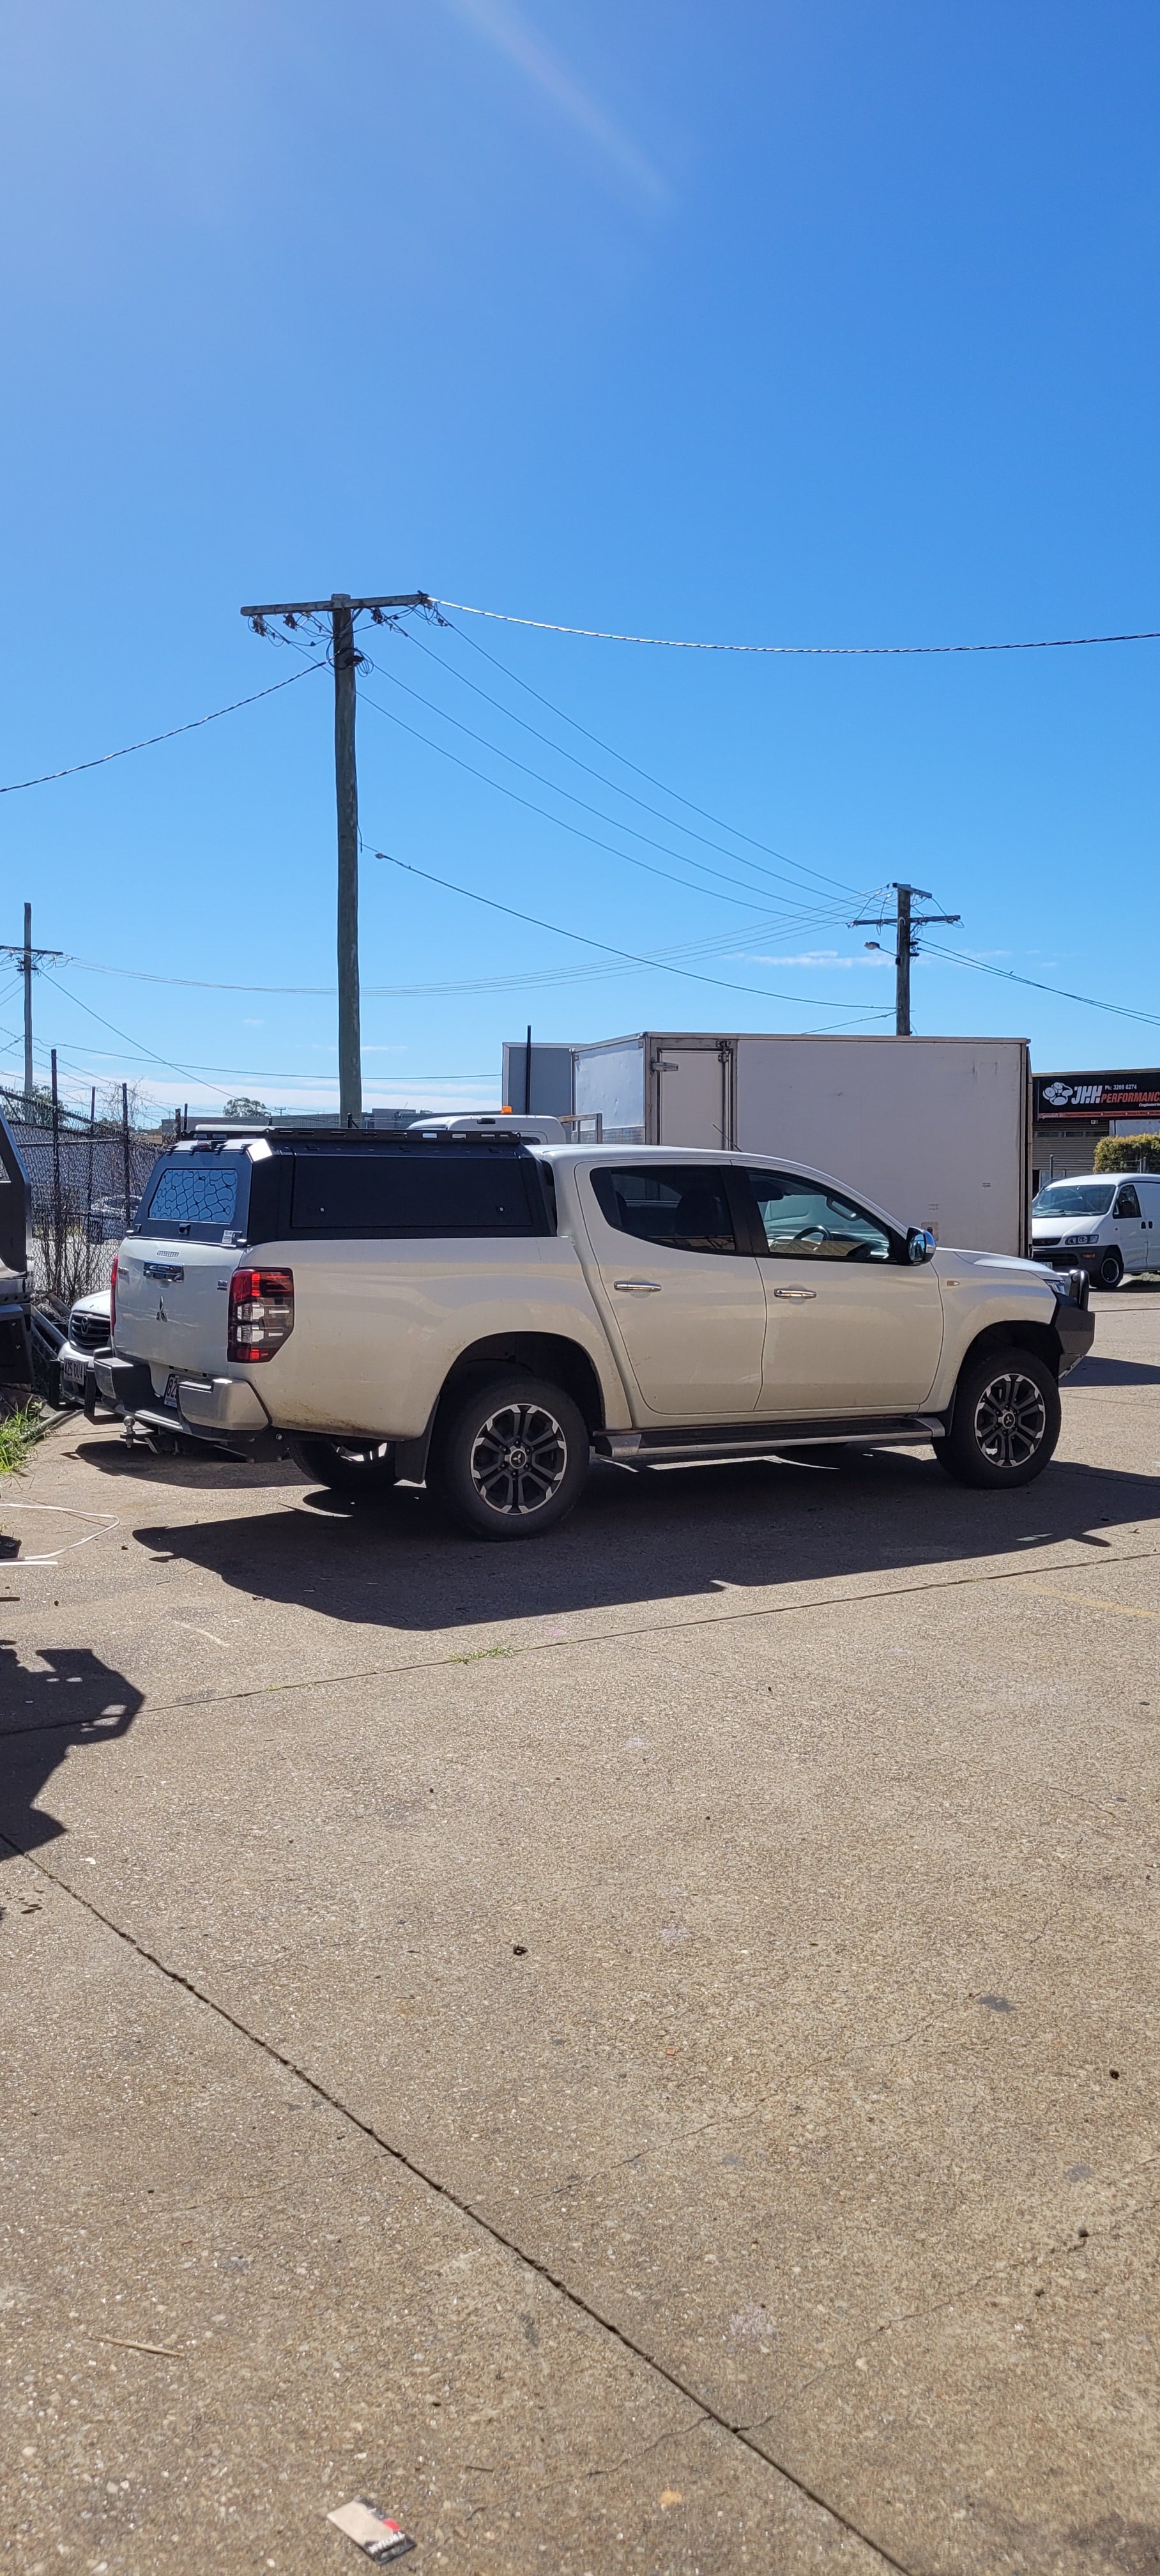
(1006, 1420)
(348, 1467)
(1111, 1269)
(511, 1459)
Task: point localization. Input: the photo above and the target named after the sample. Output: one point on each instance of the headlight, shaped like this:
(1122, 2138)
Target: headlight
(1079, 1238)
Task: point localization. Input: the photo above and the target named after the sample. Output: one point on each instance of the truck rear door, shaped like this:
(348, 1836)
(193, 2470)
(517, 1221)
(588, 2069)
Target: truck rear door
(173, 1271)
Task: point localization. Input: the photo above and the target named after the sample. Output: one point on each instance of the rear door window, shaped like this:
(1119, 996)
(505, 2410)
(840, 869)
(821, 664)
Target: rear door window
(680, 1207)
(416, 1196)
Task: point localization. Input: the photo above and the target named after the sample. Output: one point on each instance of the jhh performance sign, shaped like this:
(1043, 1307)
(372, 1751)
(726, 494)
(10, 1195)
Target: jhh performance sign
(1071, 1099)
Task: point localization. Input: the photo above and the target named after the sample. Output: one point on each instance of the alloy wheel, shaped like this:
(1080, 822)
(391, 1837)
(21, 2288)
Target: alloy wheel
(518, 1459)
(1010, 1419)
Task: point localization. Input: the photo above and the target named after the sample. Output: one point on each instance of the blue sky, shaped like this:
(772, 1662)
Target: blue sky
(764, 322)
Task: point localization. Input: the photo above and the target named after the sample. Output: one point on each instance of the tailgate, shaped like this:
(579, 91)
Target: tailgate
(173, 1303)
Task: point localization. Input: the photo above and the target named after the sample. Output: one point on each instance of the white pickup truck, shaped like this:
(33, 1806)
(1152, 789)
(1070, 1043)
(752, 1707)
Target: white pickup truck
(489, 1317)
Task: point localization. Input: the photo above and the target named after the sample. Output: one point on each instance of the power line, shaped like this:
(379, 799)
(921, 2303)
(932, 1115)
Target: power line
(236, 1073)
(763, 926)
(49, 775)
(408, 633)
(266, 1075)
(561, 825)
(554, 790)
(186, 1071)
(674, 792)
(757, 992)
(684, 857)
(692, 644)
(1007, 976)
(564, 754)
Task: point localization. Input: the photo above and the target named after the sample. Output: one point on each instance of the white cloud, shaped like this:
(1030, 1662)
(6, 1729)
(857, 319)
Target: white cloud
(818, 958)
(502, 26)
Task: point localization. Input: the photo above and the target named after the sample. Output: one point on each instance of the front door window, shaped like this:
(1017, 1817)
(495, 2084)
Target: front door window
(853, 1327)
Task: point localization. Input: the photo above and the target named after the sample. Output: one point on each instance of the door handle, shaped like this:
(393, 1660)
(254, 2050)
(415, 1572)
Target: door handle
(638, 1287)
(797, 1294)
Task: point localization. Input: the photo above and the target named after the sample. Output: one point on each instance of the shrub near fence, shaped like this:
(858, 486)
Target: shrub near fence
(1128, 1154)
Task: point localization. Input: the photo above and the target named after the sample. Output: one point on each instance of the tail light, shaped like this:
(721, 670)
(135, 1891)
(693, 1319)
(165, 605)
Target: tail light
(261, 1313)
(113, 1300)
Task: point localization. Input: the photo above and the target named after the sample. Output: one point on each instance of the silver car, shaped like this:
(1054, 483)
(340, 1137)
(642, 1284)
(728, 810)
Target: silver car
(90, 1329)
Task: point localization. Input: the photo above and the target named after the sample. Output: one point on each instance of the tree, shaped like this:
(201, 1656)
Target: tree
(242, 1107)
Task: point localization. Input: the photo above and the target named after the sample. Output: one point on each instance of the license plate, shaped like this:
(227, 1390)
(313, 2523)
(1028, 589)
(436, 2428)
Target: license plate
(170, 1395)
(72, 1374)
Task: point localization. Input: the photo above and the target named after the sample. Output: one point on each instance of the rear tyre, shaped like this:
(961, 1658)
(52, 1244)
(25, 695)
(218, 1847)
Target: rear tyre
(1006, 1421)
(352, 1468)
(1111, 1267)
(511, 1459)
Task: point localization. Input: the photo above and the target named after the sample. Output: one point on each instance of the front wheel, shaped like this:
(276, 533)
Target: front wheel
(349, 1467)
(1111, 1267)
(1006, 1421)
(511, 1459)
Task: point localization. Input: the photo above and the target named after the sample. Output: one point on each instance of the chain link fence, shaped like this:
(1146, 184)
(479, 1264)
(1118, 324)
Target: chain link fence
(86, 1176)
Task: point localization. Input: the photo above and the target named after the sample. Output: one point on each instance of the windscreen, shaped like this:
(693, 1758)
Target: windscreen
(1075, 1198)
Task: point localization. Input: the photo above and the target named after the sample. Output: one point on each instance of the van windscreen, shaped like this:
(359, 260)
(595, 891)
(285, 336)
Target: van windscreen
(1074, 1198)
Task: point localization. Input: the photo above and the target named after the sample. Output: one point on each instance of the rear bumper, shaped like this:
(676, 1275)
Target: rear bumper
(218, 1408)
(221, 1404)
(123, 1383)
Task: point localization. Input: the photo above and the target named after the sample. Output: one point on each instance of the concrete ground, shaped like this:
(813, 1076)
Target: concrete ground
(635, 2052)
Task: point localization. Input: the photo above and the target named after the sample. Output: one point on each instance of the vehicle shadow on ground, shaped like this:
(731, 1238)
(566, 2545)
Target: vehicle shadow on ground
(655, 1535)
(1095, 1371)
(205, 1470)
(43, 1714)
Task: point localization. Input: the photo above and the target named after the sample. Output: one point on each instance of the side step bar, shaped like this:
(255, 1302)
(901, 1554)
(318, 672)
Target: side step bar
(685, 1448)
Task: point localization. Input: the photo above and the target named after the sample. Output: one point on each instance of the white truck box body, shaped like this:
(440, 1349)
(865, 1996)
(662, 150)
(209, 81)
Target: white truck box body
(938, 1129)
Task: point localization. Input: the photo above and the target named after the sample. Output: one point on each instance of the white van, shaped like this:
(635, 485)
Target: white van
(1107, 1223)
(534, 1129)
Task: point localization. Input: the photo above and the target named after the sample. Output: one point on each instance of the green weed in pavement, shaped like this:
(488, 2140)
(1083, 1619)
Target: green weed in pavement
(19, 1433)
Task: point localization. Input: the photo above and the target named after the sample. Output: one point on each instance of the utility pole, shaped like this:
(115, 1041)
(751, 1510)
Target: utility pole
(342, 610)
(27, 969)
(906, 922)
(29, 959)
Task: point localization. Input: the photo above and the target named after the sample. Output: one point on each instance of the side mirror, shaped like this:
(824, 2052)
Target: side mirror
(920, 1244)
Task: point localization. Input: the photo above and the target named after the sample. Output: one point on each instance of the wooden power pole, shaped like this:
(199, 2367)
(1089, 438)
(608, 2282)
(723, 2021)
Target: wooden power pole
(29, 959)
(342, 610)
(26, 971)
(906, 922)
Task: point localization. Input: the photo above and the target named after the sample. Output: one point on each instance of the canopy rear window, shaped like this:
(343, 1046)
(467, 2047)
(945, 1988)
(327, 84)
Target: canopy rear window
(192, 1196)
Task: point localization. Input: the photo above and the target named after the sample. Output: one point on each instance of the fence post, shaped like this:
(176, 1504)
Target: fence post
(89, 1189)
(125, 1146)
(57, 1211)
